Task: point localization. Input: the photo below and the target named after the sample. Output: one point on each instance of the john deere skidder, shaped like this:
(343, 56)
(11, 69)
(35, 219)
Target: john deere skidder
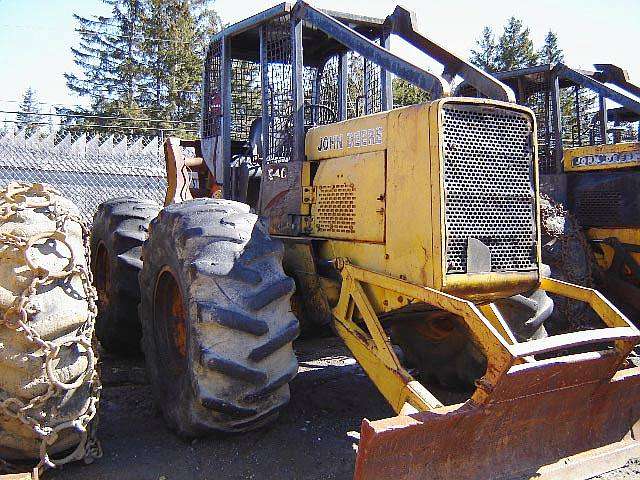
(414, 232)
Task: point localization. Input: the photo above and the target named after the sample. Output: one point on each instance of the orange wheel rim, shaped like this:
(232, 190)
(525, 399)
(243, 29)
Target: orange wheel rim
(102, 276)
(170, 319)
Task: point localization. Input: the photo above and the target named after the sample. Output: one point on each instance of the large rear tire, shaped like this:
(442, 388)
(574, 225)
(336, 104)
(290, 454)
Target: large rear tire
(216, 319)
(119, 227)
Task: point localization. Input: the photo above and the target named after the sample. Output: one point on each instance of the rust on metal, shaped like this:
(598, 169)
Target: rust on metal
(179, 169)
(537, 427)
(102, 277)
(179, 325)
(170, 312)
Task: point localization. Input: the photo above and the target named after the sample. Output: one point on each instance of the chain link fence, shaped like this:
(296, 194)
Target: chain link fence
(87, 167)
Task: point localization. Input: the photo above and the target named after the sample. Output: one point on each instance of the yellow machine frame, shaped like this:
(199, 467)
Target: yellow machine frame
(374, 352)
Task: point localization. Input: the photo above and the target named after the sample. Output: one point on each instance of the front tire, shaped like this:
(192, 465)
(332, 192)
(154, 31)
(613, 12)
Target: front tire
(216, 319)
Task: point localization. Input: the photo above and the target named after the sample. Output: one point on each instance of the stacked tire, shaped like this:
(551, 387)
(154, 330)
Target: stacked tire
(48, 382)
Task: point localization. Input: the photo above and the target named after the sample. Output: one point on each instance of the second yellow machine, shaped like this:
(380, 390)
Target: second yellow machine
(414, 232)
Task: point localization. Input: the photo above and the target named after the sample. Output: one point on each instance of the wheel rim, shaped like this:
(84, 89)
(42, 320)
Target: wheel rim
(102, 277)
(170, 320)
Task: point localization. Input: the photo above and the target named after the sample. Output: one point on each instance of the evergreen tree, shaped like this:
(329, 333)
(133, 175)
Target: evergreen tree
(404, 93)
(144, 61)
(515, 47)
(551, 53)
(174, 64)
(108, 57)
(29, 118)
(484, 56)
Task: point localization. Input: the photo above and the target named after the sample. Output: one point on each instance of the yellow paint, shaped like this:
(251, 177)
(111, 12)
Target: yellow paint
(569, 154)
(371, 347)
(349, 198)
(395, 254)
(625, 235)
(358, 135)
(411, 180)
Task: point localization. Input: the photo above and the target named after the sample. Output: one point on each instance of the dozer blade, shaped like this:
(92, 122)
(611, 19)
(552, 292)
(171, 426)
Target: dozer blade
(563, 418)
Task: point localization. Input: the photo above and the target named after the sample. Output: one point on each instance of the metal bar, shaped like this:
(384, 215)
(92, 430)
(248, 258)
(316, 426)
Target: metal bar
(602, 104)
(225, 89)
(374, 353)
(205, 92)
(490, 341)
(297, 74)
(556, 122)
(385, 76)
(578, 122)
(353, 40)
(618, 77)
(343, 76)
(402, 23)
(598, 87)
(367, 86)
(547, 133)
(317, 85)
(521, 98)
(264, 83)
(522, 71)
(264, 80)
(252, 22)
(574, 339)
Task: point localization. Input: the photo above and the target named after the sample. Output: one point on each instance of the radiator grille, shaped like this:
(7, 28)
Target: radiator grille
(488, 182)
(601, 207)
(336, 209)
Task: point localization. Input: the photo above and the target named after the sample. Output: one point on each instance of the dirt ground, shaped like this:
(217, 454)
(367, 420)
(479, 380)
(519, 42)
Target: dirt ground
(311, 440)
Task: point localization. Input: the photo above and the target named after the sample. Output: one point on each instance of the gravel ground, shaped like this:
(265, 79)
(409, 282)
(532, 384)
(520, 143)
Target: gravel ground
(311, 440)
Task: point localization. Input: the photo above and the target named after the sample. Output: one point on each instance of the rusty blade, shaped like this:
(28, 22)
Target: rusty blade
(548, 420)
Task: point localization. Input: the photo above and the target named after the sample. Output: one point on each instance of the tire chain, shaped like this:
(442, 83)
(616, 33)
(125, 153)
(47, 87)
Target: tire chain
(17, 317)
(570, 238)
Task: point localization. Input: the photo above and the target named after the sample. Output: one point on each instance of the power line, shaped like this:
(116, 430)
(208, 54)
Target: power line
(125, 90)
(108, 127)
(62, 105)
(96, 117)
(85, 30)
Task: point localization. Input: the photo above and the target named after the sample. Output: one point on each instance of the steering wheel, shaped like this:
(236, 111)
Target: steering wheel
(318, 107)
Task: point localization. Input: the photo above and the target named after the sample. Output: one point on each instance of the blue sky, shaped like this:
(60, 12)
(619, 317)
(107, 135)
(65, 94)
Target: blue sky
(36, 35)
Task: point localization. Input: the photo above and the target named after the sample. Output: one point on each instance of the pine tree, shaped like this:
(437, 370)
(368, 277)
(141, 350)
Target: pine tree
(515, 47)
(144, 61)
(405, 93)
(29, 118)
(484, 56)
(173, 73)
(108, 57)
(550, 53)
